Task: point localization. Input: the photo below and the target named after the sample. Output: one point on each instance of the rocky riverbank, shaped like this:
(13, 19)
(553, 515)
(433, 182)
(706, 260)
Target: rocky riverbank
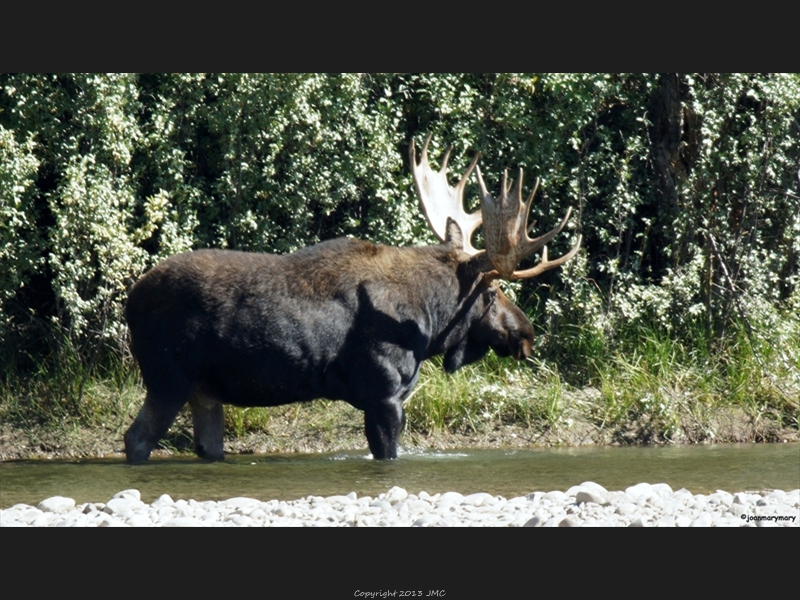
(586, 505)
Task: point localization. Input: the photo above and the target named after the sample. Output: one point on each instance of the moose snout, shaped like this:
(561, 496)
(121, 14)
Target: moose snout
(523, 349)
(513, 344)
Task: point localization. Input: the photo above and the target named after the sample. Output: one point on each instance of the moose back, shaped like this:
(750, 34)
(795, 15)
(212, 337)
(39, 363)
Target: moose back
(344, 319)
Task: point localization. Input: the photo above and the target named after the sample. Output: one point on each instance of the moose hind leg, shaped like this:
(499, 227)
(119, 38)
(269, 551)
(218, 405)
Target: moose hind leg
(383, 426)
(151, 424)
(209, 426)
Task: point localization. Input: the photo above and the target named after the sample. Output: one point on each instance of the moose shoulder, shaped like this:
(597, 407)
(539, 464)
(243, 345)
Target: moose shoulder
(344, 319)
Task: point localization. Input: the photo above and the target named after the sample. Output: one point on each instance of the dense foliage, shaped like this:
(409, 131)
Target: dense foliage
(685, 188)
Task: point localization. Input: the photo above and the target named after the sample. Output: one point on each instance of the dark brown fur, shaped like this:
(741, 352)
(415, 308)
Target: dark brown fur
(344, 319)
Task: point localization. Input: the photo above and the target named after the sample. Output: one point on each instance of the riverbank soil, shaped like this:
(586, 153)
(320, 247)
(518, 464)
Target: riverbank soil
(327, 426)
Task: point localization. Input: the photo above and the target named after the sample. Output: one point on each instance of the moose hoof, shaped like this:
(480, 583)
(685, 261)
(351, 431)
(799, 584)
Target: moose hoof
(212, 454)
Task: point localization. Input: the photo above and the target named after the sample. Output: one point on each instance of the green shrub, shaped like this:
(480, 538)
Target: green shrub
(684, 185)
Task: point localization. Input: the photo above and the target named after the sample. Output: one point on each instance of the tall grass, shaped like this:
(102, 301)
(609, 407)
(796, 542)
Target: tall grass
(641, 385)
(491, 394)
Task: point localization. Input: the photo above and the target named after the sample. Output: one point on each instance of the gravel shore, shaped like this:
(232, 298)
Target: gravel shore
(585, 505)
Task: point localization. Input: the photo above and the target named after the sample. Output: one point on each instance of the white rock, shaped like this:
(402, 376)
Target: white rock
(737, 510)
(595, 523)
(765, 523)
(139, 521)
(727, 522)
(626, 508)
(132, 493)
(666, 521)
(57, 504)
(424, 521)
(107, 520)
(682, 521)
(479, 499)
(42, 520)
(257, 515)
(535, 497)
(639, 491)
(536, 521)
(450, 497)
(683, 495)
(588, 496)
(662, 489)
(591, 486)
(339, 500)
(555, 496)
(163, 514)
(416, 507)
(185, 522)
(721, 497)
(163, 500)
(123, 505)
(704, 520)
(396, 494)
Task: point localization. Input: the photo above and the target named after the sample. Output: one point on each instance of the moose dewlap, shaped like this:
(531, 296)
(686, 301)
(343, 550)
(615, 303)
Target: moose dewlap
(344, 319)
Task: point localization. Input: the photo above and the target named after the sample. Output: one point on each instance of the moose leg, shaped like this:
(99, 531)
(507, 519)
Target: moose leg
(383, 425)
(209, 425)
(150, 426)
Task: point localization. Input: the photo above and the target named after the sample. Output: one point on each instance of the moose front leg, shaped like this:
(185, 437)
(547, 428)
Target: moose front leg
(383, 425)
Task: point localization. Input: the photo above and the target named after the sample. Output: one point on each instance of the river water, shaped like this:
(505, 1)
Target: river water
(508, 473)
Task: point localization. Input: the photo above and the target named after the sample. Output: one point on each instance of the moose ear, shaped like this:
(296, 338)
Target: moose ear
(453, 236)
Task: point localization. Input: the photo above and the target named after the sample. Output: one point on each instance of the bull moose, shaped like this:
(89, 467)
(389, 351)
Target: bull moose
(344, 319)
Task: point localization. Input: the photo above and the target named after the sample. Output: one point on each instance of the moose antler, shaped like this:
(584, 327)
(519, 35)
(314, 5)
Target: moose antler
(440, 200)
(504, 220)
(504, 229)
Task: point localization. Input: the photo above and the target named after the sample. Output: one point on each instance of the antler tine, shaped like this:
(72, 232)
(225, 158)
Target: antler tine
(445, 158)
(482, 185)
(424, 157)
(546, 265)
(505, 230)
(529, 201)
(536, 243)
(441, 201)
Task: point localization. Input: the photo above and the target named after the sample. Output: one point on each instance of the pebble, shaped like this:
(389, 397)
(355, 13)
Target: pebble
(586, 505)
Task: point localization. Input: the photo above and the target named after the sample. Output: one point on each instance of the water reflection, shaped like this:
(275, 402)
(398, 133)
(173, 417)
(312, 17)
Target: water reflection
(509, 473)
